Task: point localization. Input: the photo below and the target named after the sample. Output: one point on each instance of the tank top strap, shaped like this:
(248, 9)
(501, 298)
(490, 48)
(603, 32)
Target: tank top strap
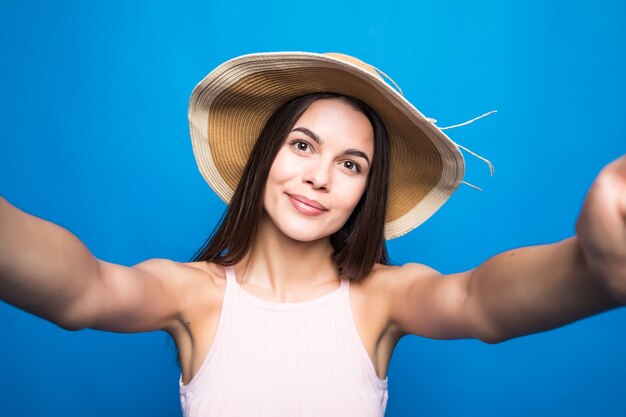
(344, 291)
(231, 280)
(344, 296)
(345, 286)
(230, 274)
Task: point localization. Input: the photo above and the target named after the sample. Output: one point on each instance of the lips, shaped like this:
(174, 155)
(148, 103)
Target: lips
(311, 203)
(307, 208)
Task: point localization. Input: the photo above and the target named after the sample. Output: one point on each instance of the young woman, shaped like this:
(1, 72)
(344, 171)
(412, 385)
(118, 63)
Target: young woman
(291, 308)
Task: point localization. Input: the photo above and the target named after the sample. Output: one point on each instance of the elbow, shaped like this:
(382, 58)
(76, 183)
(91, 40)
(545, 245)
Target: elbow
(81, 312)
(488, 332)
(71, 323)
(76, 316)
(482, 325)
(73, 327)
(494, 335)
(492, 340)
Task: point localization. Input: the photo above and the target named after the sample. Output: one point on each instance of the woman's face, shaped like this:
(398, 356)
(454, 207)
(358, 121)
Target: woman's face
(325, 158)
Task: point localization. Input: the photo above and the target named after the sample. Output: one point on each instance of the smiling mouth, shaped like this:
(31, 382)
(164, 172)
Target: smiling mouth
(305, 208)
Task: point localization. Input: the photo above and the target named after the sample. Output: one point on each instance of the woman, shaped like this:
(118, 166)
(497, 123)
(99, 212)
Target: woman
(291, 308)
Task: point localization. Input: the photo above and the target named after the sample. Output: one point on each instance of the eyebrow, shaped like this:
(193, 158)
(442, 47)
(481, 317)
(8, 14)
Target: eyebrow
(316, 138)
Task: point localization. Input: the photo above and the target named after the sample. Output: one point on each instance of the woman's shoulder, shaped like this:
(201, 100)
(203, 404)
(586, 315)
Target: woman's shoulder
(388, 279)
(192, 280)
(214, 270)
(205, 273)
(375, 285)
(185, 271)
(386, 286)
(203, 285)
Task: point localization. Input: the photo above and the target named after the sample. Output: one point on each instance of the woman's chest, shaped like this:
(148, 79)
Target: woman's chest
(368, 316)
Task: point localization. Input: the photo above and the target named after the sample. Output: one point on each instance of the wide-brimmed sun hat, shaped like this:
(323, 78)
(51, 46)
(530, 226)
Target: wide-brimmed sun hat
(230, 106)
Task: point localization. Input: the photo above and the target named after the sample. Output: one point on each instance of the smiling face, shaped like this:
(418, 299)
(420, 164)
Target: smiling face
(320, 171)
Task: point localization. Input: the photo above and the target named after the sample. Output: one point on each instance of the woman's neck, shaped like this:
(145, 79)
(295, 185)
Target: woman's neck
(284, 267)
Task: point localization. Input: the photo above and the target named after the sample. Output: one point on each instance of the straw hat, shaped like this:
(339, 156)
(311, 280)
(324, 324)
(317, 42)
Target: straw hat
(230, 106)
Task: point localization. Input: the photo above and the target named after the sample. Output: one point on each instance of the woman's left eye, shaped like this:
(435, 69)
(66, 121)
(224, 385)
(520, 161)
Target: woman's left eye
(352, 166)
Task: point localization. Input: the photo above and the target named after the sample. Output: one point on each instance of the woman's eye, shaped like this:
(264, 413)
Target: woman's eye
(300, 145)
(352, 166)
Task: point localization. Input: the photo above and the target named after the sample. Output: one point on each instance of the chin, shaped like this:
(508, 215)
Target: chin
(302, 235)
(303, 232)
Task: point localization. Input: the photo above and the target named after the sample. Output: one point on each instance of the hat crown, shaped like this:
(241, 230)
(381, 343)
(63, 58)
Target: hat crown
(355, 61)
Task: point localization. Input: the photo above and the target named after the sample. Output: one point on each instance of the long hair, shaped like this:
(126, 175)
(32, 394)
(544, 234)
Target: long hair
(360, 242)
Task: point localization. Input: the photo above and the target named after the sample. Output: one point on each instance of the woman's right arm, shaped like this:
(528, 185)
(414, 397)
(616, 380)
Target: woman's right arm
(46, 270)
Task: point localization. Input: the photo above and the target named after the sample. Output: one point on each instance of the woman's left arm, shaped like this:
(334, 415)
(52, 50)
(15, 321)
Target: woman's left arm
(537, 288)
(525, 290)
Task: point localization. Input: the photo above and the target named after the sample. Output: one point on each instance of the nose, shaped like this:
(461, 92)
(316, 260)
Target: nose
(318, 175)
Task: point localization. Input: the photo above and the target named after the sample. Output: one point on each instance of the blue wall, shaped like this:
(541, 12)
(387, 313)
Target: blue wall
(93, 103)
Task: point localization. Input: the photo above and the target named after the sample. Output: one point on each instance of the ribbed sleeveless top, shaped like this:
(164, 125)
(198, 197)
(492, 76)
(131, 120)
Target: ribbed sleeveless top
(303, 359)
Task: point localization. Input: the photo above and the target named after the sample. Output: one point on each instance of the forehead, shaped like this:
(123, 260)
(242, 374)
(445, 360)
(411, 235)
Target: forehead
(338, 123)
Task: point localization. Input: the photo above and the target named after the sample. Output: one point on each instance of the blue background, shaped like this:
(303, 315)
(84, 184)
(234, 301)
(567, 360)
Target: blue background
(93, 109)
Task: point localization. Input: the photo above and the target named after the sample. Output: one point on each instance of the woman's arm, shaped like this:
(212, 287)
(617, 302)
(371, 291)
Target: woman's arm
(47, 271)
(530, 289)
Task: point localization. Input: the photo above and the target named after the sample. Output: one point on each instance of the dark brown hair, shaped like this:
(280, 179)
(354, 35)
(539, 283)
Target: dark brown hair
(360, 242)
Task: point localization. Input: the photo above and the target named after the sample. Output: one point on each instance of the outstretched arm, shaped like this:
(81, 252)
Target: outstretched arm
(530, 289)
(47, 271)
(44, 268)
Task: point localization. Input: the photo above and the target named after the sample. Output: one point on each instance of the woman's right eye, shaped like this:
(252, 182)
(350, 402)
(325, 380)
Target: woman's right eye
(300, 146)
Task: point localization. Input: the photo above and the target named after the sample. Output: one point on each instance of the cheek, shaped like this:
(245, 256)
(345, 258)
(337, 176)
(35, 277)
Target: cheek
(280, 173)
(283, 167)
(350, 194)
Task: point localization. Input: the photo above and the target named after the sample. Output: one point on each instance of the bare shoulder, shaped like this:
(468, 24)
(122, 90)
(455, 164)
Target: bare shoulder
(208, 281)
(196, 285)
(198, 279)
(208, 274)
(180, 275)
(391, 279)
(390, 285)
(424, 302)
(377, 295)
(156, 294)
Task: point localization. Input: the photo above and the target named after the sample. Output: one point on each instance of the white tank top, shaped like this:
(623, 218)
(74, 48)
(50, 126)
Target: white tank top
(285, 359)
